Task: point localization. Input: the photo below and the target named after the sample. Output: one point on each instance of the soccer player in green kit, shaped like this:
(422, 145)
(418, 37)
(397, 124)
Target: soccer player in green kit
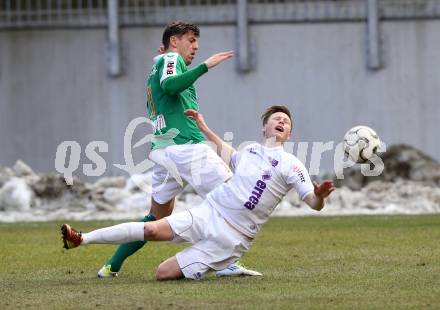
(179, 153)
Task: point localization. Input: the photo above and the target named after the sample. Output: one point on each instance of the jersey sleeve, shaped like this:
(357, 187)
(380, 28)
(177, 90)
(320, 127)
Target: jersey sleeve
(299, 178)
(234, 161)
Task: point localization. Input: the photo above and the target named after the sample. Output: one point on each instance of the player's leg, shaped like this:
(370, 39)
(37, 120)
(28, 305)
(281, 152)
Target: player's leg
(162, 203)
(114, 264)
(169, 270)
(161, 210)
(188, 226)
(216, 245)
(118, 234)
(154, 231)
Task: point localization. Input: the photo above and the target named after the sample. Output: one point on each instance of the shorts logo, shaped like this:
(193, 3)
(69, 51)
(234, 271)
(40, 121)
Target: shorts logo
(299, 173)
(198, 275)
(170, 67)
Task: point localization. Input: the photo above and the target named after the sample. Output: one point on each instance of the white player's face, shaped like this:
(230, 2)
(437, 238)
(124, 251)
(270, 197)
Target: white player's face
(186, 46)
(279, 126)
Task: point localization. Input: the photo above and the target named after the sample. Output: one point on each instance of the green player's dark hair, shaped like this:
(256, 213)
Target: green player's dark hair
(178, 28)
(274, 109)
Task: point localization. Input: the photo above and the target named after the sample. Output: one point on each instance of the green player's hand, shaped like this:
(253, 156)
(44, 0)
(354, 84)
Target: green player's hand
(215, 59)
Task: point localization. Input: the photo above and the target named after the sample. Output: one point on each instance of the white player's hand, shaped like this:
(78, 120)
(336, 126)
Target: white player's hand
(198, 117)
(324, 189)
(161, 49)
(215, 59)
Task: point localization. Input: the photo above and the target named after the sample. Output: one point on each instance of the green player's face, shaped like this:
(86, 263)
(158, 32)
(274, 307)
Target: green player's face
(187, 45)
(278, 126)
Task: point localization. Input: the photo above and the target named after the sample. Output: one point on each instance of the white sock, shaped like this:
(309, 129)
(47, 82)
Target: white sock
(122, 233)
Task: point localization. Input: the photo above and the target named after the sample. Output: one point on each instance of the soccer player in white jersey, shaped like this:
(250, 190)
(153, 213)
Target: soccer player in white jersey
(223, 227)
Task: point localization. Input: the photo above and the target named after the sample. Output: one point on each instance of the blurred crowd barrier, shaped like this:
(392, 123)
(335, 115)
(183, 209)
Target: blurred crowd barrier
(94, 13)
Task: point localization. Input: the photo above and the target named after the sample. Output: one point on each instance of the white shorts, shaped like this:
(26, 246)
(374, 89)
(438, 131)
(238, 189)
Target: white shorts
(216, 244)
(179, 165)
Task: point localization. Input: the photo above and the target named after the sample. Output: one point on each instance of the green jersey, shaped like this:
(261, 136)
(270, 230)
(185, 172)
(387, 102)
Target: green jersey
(170, 91)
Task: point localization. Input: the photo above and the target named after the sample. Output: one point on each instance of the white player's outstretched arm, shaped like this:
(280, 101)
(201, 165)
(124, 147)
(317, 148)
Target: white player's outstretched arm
(316, 199)
(224, 150)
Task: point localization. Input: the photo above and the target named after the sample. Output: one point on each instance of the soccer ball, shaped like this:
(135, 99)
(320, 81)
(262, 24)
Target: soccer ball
(361, 143)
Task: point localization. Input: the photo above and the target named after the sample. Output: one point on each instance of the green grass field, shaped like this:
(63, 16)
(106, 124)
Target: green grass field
(328, 263)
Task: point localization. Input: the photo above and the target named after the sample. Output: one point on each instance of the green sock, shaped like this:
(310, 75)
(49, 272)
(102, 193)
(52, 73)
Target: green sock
(125, 250)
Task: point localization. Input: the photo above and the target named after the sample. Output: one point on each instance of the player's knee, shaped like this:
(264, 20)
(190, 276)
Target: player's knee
(163, 273)
(151, 231)
(169, 270)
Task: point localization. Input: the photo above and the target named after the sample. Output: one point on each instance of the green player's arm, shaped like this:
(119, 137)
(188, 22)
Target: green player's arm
(224, 150)
(178, 83)
(315, 200)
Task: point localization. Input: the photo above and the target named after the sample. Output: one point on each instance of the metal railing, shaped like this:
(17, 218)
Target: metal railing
(18, 14)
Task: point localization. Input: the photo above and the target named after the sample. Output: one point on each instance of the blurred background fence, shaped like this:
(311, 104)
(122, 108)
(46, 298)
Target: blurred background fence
(19, 14)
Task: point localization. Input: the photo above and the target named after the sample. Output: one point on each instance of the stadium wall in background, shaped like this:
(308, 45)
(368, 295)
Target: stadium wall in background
(310, 55)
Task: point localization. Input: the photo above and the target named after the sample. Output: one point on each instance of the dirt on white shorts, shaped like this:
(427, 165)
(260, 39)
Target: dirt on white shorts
(215, 243)
(179, 165)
